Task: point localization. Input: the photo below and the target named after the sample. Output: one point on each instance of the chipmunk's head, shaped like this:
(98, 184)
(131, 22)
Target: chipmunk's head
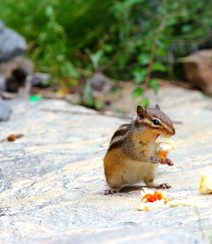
(155, 119)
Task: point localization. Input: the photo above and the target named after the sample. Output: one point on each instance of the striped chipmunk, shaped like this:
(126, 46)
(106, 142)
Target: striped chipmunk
(132, 154)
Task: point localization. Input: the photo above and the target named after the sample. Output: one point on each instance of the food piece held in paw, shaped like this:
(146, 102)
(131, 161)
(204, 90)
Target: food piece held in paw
(165, 145)
(206, 183)
(163, 154)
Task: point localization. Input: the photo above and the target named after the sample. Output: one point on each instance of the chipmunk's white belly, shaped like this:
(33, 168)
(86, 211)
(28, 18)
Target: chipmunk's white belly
(152, 149)
(138, 171)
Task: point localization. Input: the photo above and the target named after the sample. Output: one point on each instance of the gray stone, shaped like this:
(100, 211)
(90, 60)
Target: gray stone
(52, 179)
(11, 43)
(135, 235)
(39, 79)
(100, 85)
(14, 75)
(5, 111)
(2, 83)
(197, 67)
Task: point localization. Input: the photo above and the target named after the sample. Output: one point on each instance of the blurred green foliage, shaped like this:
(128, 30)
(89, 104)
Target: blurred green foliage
(126, 39)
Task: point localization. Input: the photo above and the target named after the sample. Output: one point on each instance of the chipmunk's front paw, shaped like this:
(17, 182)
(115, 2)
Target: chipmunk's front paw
(166, 161)
(154, 160)
(163, 186)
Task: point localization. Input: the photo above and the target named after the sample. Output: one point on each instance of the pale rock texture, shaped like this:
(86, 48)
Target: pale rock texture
(52, 180)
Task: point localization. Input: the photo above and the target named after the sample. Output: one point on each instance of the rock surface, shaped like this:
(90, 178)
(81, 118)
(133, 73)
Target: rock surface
(197, 67)
(5, 111)
(52, 179)
(135, 235)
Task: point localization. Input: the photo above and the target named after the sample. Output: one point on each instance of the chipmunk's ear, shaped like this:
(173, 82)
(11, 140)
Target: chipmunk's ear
(157, 106)
(141, 112)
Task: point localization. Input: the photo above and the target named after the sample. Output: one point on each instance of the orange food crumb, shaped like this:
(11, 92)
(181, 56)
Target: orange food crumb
(153, 197)
(163, 154)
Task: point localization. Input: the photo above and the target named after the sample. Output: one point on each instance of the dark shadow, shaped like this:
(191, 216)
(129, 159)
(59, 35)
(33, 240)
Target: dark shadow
(127, 189)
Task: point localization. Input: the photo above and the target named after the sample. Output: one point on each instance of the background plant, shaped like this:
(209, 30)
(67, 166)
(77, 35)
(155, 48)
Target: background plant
(137, 40)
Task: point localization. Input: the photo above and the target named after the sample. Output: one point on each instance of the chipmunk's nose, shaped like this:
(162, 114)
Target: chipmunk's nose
(173, 131)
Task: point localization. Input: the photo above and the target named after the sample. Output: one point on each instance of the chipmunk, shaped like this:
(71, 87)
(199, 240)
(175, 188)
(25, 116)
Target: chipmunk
(132, 154)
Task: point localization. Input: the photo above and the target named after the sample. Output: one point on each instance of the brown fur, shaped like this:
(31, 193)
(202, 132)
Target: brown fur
(128, 159)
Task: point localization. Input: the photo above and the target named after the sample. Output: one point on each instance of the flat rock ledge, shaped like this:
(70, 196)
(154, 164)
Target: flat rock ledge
(52, 178)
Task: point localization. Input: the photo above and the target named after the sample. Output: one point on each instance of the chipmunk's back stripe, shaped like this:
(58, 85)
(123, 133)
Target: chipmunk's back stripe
(124, 127)
(119, 136)
(115, 145)
(122, 130)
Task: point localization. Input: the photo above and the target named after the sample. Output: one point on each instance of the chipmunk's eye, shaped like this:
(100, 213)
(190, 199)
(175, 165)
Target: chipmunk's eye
(156, 122)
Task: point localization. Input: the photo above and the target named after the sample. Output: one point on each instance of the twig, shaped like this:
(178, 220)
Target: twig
(149, 68)
(152, 53)
(197, 42)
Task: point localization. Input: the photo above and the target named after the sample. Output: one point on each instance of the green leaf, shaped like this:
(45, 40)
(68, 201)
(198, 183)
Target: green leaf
(119, 111)
(186, 28)
(153, 83)
(35, 98)
(87, 94)
(139, 74)
(161, 52)
(132, 2)
(143, 58)
(49, 10)
(144, 103)
(158, 66)
(99, 105)
(72, 72)
(68, 69)
(95, 57)
(123, 60)
(115, 89)
(108, 48)
(137, 92)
